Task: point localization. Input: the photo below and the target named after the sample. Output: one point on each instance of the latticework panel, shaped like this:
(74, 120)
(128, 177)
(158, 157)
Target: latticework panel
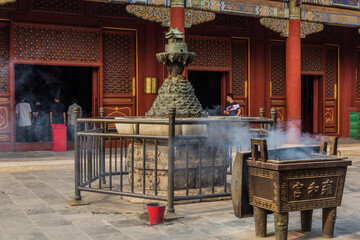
(111, 10)
(53, 44)
(358, 75)
(117, 63)
(4, 58)
(312, 59)
(232, 21)
(209, 52)
(330, 71)
(239, 67)
(278, 70)
(72, 6)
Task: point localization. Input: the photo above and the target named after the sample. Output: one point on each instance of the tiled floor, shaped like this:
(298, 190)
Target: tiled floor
(33, 206)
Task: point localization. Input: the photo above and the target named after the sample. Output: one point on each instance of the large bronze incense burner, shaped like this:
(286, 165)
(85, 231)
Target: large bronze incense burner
(290, 179)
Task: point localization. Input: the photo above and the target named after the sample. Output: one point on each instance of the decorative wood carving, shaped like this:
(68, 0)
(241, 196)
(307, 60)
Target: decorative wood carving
(162, 15)
(307, 28)
(4, 117)
(3, 2)
(277, 25)
(282, 26)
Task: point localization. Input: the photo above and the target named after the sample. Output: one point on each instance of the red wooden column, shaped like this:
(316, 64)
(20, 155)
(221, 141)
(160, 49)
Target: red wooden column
(177, 15)
(293, 80)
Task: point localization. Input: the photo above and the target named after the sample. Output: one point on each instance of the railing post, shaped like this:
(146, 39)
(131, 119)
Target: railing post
(102, 148)
(171, 161)
(77, 154)
(262, 115)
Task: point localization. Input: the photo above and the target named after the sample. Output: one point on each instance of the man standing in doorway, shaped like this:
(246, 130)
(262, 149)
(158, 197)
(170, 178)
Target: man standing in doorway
(23, 114)
(232, 108)
(70, 114)
(57, 112)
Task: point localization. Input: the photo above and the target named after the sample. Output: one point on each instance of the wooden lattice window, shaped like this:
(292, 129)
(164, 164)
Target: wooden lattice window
(4, 58)
(358, 75)
(239, 66)
(312, 59)
(330, 71)
(112, 10)
(118, 64)
(278, 69)
(209, 52)
(56, 44)
(230, 21)
(66, 6)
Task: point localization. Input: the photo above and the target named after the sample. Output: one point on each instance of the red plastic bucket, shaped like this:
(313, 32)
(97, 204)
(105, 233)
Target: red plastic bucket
(156, 212)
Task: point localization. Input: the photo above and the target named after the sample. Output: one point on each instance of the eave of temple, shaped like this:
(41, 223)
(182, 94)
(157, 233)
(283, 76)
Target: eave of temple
(328, 12)
(345, 14)
(330, 15)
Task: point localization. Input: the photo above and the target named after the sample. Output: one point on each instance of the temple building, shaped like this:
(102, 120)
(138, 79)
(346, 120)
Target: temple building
(300, 56)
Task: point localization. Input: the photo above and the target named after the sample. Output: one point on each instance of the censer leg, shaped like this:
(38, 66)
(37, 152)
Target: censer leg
(306, 220)
(328, 222)
(260, 219)
(281, 225)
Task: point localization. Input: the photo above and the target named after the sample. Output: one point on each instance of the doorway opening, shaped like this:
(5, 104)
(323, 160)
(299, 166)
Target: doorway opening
(40, 84)
(307, 104)
(207, 87)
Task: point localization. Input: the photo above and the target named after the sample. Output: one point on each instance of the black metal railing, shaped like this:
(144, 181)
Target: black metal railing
(171, 165)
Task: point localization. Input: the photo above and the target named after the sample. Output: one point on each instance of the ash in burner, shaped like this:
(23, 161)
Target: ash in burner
(296, 154)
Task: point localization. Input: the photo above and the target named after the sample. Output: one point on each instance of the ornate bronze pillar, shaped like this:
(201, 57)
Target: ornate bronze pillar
(281, 221)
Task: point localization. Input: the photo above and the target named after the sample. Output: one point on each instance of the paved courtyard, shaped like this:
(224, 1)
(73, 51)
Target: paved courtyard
(35, 186)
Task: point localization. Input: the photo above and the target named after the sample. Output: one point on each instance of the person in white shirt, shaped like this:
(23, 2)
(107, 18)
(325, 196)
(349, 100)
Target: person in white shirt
(70, 114)
(23, 115)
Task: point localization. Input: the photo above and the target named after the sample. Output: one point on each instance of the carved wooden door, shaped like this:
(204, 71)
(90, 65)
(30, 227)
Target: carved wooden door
(119, 72)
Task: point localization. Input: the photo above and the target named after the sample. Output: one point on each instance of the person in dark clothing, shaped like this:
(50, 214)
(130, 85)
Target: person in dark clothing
(232, 108)
(39, 123)
(57, 112)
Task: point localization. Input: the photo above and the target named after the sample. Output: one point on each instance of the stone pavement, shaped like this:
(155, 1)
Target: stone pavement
(35, 186)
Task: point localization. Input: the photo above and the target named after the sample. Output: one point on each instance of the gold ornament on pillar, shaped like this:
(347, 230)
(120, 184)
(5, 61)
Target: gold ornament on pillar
(150, 85)
(295, 9)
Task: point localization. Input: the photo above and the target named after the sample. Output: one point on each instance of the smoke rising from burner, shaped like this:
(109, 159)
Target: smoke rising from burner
(214, 111)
